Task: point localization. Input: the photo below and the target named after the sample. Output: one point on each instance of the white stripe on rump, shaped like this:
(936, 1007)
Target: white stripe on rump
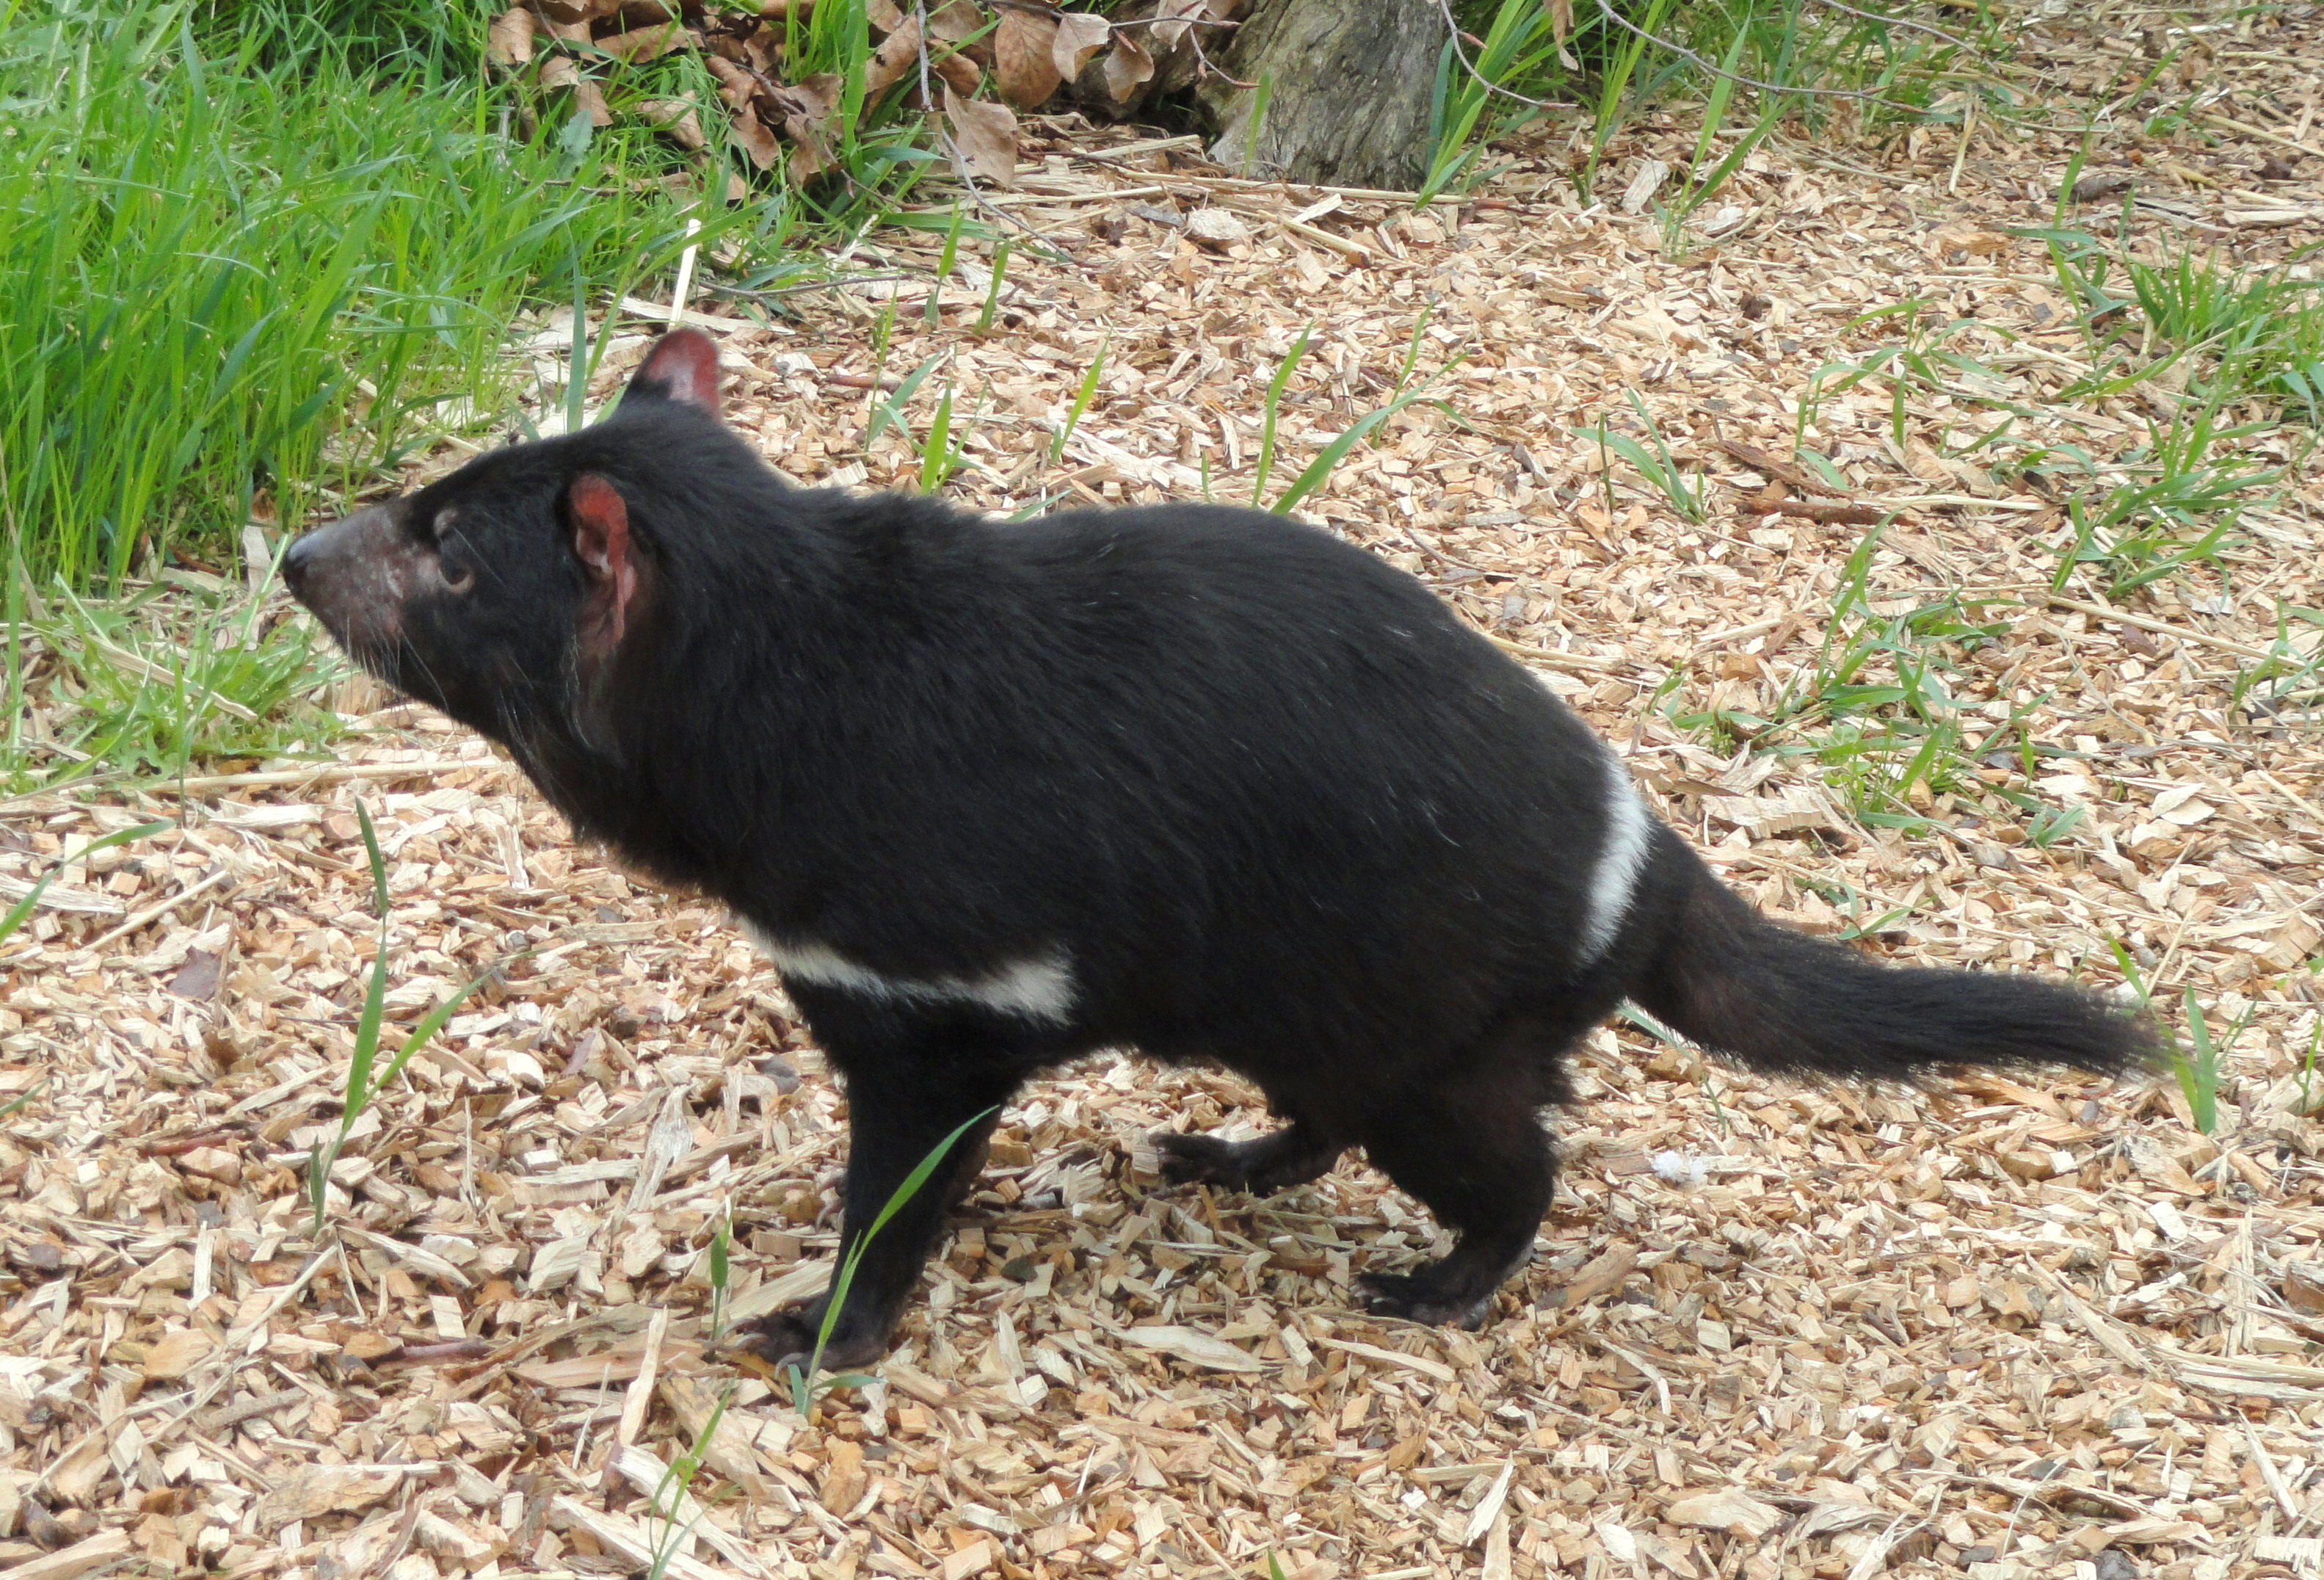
(1629, 830)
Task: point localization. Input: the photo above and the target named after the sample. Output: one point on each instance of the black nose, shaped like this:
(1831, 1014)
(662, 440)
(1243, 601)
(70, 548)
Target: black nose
(296, 564)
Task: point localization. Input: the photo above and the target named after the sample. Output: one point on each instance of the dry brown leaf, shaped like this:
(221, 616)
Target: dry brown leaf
(953, 21)
(1022, 68)
(761, 51)
(883, 14)
(985, 135)
(1128, 66)
(674, 118)
(1561, 19)
(810, 100)
(756, 141)
(1173, 18)
(896, 55)
(805, 106)
(736, 86)
(1079, 35)
(645, 44)
(592, 99)
(959, 73)
(508, 43)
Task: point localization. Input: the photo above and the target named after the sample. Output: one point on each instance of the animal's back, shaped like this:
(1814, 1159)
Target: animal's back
(1262, 784)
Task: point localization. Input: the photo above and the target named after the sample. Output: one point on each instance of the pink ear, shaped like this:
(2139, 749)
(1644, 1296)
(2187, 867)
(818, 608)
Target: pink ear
(601, 537)
(683, 366)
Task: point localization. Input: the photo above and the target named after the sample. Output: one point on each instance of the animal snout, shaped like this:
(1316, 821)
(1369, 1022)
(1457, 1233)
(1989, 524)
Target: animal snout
(354, 574)
(299, 566)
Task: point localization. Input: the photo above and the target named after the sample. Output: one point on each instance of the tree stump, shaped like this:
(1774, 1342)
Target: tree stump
(1348, 85)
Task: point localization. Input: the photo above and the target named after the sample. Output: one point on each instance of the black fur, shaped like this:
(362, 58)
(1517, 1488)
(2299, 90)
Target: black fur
(1266, 798)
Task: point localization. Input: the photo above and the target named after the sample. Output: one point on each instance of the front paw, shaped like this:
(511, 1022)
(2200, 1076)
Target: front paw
(787, 1338)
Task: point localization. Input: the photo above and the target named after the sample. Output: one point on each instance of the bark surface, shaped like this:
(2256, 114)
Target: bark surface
(1347, 90)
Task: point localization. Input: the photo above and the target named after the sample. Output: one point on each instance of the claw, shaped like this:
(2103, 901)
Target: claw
(785, 1338)
(1415, 1298)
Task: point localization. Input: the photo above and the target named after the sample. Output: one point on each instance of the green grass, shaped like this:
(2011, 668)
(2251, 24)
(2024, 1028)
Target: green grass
(1875, 711)
(183, 671)
(1083, 396)
(363, 1086)
(1773, 59)
(1658, 465)
(673, 1493)
(2223, 334)
(236, 273)
(2291, 682)
(1268, 407)
(2196, 1065)
(2306, 1074)
(1517, 47)
(2148, 514)
(428, 36)
(943, 452)
(876, 148)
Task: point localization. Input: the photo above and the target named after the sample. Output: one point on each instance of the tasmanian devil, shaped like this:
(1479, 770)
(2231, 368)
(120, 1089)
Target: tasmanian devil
(1187, 779)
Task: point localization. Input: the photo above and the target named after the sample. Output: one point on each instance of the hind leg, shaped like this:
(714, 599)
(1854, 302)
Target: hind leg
(1292, 1155)
(1470, 1145)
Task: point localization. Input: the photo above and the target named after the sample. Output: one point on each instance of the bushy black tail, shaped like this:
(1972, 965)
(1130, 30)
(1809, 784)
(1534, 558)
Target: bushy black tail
(1731, 981)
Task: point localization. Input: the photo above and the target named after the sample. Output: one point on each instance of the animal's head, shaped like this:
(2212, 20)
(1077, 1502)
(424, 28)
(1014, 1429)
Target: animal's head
(505, 592)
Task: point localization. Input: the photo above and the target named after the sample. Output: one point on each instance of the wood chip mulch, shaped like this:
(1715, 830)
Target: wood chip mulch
(2021, 1330)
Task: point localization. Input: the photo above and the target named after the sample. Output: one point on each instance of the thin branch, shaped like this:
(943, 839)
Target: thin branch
(920, 16)
(1680, 51)
(1206, 68)
(1936, 33)
(1471, 67)
(836, 281)
(1189, 21)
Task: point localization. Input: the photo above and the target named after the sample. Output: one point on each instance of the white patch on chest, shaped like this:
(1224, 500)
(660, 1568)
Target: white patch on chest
(1629, 831)
(1038, 989)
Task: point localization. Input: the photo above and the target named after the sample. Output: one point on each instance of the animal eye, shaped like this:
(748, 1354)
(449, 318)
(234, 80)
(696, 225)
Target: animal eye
(458, 574)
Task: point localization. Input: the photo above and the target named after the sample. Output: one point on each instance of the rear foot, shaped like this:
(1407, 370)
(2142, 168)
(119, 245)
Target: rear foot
(1455, 1293)
(1277, 1162)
